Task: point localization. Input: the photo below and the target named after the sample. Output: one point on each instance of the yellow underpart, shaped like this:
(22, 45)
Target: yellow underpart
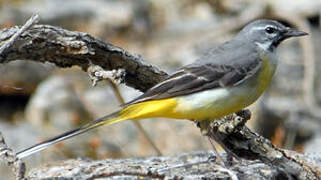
(212, 104)
(153, 108)
(265, 75)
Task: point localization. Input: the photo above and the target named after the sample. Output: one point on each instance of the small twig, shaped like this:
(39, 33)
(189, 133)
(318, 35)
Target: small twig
(8, 156)
(33, 20)
(97, 73)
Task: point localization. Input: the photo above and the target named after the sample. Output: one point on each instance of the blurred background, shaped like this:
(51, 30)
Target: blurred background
(38, 101)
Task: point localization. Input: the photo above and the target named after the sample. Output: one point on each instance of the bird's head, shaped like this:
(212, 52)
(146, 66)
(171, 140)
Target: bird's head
(268, 34)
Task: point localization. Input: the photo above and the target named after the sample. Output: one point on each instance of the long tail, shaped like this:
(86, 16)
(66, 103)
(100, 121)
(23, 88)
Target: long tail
(108, 119)
(155, 108)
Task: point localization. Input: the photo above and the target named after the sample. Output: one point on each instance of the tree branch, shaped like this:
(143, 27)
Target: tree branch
(239, 140)
(44, 43)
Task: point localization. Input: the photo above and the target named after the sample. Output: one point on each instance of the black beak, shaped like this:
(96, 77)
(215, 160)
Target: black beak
(293, 33)
(288, 33)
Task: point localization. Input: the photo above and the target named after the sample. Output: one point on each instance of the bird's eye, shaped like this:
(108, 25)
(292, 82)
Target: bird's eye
(270, 30)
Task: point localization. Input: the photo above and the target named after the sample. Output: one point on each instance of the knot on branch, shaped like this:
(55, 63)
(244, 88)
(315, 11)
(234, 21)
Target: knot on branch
(230, 123)
(97, 73)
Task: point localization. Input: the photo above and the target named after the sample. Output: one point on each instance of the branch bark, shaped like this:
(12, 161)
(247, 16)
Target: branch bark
(65, 48)
(240, 141)
(44, 43)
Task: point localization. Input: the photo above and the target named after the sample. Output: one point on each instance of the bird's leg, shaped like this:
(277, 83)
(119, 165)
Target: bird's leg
(204, 126)
(219, 130)
(218, 157)
(229, 154)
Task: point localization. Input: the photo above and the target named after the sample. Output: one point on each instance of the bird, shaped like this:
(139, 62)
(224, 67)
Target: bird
(224, 80)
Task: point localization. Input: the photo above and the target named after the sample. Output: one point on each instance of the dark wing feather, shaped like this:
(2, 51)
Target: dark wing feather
(209, 72)
(196, 79)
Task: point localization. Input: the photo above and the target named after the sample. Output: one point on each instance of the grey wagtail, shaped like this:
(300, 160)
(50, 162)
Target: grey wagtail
(225, 80)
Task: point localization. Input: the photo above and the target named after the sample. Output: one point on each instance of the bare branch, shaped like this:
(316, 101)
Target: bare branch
(240, 141)
(44, 43)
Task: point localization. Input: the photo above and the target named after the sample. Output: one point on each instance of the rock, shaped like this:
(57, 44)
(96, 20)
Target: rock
(193, 165)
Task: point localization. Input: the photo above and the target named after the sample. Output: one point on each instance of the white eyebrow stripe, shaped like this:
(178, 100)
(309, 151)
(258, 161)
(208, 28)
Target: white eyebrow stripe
(258, 28)
(261, 28)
